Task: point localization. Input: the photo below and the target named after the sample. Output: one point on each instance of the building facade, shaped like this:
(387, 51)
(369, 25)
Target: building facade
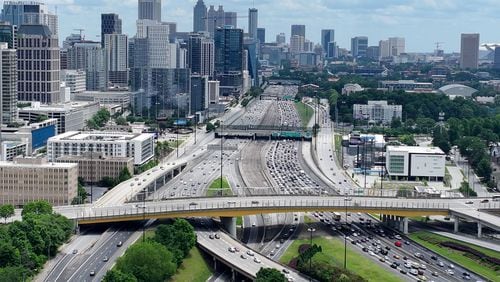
(377, 112)
(140, 147)
(89, 56)
(150, 10)
(327, 36)
(408, 162)
(116, 59)
(201, 54)
(29, 12)
(38, 65)
(359, 46)
(75, 80)
(229, 62)
(28, 179)
(94, 167)
(200, 17)
(8, 84)
(110, 24)
(469, 51)
(253, 18)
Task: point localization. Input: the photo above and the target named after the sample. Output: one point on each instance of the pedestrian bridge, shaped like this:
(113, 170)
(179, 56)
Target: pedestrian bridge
(241, 206)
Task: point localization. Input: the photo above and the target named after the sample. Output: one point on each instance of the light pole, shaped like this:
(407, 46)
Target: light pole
(311, 231)
(345, 233)
(221, 153)
(144, 215)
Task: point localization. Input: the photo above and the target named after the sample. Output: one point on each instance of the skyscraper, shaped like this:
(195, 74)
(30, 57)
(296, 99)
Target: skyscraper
(296, 44)
(29, 12)
(201, 55)
(8, 84)
(359, 45)
(397, 46)
(327, 36)
(116, 55)
(89, 56)
(110, 24)
(298, 29)
(281, 38)
(261, 35)
(150, 10)
(36, 83)
(231, 19)
(253, 23)
(469, 51)
(229, 58)
(200, 17)
(384, 50)
(8, 33)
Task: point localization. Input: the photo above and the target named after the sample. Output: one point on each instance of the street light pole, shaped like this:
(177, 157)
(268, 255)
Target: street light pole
(221, 153)
(310, 230)
(345, 233)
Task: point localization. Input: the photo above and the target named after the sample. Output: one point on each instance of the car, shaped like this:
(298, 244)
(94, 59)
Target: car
(407, 265)
(435, 274)
(381, 259)
(451, 266)
(75, 251)
(211, 236)
(469, 202)
(217, 236)
(231, 249)
(393, 265)
(485, 201)
(407, 242)
(286, 271)
(465, 274)
(243, 256)
(395, 256)
(119, 244)
(105, 259)
(193, 204)
(257, 260)
(434, 257)
(250, 253)
(92, 273)
(440, 263)
(414, 272)
(450, 272)
(371, 253)
(402, 271)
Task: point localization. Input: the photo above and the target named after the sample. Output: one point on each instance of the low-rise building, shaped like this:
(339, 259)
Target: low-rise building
(413, 162)
(75, 80)
(11, 149)
(377, 112)
(94, 167)
(70, 116)
(140, 147)
(31, 179)
(34, 135)
(351, 88)
(407, 85)
(107, 98)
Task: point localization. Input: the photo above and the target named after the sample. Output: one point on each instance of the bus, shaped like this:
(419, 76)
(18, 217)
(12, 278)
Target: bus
(336, 216)
(496, 198)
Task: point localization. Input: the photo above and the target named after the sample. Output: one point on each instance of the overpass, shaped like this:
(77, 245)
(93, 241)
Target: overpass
(393, 209)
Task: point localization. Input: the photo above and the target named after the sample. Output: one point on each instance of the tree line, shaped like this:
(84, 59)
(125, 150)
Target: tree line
(26, 245)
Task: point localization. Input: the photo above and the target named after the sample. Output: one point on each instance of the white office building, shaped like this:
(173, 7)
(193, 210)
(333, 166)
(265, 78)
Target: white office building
(377, 112)
(412, 162)
(213, 91)
(75, 80)
(407, 85)
(111, 144)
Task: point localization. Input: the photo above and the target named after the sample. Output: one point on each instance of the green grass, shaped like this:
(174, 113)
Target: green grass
(307, 219)
(333, 253)
(216, 184)
(216, 192)
(175, 144)
(305, 113)
(338, 147)
(194, 268)
(455, 256)
(239, 221)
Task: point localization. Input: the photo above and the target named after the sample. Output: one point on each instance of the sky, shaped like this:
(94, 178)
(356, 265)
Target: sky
(421, 22)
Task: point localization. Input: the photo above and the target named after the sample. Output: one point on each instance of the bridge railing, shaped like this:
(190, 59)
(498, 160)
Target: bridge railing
(275, 205)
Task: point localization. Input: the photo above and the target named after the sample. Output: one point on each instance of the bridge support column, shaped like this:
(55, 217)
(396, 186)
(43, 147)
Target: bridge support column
(215, 264)
(229, 224)
(455, 224)
(233, 275)
(479, 230)
(405, 225)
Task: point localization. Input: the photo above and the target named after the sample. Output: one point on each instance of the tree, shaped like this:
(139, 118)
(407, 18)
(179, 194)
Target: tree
(37, 207)
(13, 274)
(121, 121)
(6, 211)
(114, 275)
(178, 237)
(124, 175)
(484, 169)
(210, 127)
(270, 275)
(147, 261)
(9, 255)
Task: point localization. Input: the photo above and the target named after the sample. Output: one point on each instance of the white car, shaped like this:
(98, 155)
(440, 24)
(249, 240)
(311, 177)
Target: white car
(256, 260)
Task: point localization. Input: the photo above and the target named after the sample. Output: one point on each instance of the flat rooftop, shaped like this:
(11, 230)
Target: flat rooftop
(416, 150)
(97, 136)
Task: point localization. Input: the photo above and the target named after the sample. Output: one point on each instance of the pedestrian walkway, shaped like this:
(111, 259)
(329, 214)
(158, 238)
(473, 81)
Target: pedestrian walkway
(471, 240)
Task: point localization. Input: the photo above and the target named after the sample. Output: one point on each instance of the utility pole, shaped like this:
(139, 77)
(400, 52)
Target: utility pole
(221, 153)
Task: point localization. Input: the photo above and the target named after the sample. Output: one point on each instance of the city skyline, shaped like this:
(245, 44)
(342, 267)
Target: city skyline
(374, 19)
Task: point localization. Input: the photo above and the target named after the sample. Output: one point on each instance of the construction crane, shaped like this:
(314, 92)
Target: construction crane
(81, 30)
(438, 47)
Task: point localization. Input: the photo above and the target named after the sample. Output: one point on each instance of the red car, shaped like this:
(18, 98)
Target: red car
(398, 244)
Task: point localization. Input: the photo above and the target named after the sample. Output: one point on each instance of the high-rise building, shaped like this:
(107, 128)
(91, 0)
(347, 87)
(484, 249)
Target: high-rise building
(200, 17)
(110, 24)
(150, 10)
(8, 84)
(215, 19)
(298, 29)
(281, 38)
(496, 60)
(89, 56)
(8, 33)
(253, 23)
(296, 44)
(384, 50)
(34, 82)
(333, 50)
(396, 46)
(469, 51)
(29, 12)
(231, 19)
(229, 62)
(327, 36)
(252, 59)
(261, 35)
(373, 52)
(116, 55)
(201, 55)
(199, 93)
(359, 44)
